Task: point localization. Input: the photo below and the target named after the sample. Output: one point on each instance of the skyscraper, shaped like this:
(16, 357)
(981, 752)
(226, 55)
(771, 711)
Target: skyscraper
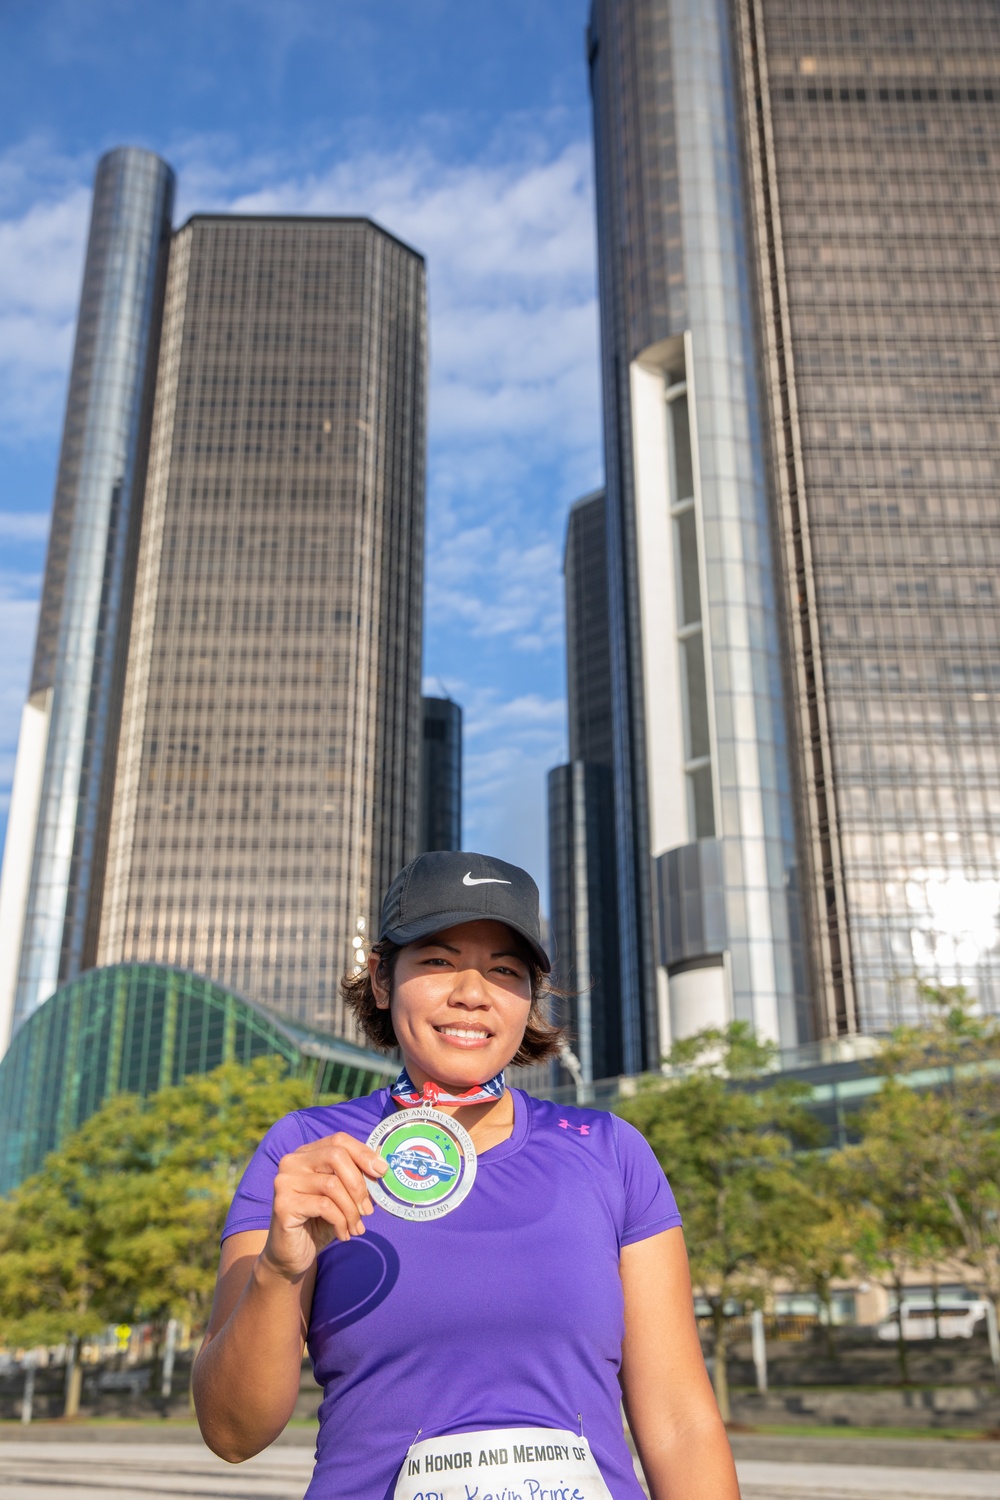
(873, 153)
(227, 676)
(588, 653)
(797, 209)
(699, 718)
(267, 785)
(54, 860)
(440, 775)
(582, 886)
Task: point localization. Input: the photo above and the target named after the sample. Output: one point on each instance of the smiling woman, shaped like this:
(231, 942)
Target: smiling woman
(368, 992)
(521, 1271)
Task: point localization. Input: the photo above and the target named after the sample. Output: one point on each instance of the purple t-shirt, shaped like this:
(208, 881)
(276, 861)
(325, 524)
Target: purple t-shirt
(505, 1313)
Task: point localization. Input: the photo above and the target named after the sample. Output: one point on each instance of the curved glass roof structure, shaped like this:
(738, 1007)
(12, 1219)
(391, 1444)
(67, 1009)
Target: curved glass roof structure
(136, 1028)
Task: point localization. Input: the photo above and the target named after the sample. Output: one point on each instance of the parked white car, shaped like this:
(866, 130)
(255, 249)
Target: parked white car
(955, 1320)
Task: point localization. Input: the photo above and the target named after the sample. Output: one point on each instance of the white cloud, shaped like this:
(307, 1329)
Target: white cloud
(488, 582)
(18, 618)
(41, 259)
(23, 526)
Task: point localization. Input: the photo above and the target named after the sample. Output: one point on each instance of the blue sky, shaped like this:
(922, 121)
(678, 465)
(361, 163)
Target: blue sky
(460, 125)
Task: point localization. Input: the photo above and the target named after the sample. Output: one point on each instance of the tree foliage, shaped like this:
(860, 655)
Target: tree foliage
(728, 1146)
(926, 1173)
(123, 1222)
(920, 1184)
(897, 1218)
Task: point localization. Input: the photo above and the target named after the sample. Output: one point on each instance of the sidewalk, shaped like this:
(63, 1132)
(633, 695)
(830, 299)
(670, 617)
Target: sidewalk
(166, 1467)
(920, 1453)
(96, 1470)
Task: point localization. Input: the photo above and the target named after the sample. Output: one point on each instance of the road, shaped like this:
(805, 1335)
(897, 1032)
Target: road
(165, 1471)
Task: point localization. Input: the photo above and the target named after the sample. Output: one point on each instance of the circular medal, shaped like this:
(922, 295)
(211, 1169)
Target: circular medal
(432, 1163)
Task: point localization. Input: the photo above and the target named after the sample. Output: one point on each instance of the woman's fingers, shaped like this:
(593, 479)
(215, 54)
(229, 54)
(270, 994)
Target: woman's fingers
(332, 1173)
(341, 1166)
(334, 1208)
(361, 1154)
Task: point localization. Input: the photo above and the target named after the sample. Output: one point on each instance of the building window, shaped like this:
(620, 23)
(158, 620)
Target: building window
(690, 631)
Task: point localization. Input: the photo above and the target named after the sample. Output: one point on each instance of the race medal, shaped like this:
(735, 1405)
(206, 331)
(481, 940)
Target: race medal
(432, 1163)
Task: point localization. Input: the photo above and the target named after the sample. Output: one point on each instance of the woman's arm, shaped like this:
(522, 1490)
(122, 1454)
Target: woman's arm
(669, 1401)
(246, 1376)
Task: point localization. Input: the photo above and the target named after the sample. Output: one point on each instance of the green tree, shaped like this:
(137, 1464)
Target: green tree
(47, 1280)
(820, 1252)
(897, 1219)
(727, 1145)
(123, 1222)
(955, 1056)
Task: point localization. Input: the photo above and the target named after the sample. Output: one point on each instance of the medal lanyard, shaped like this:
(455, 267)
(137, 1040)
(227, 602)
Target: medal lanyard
(405, 1092)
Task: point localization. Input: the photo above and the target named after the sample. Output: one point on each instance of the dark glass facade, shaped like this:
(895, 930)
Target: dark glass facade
(699, 718)
(136, 1028)
(588, 646)
(267, 780)
(873, 159)
(86, 598)
(583, 900)
(440, 775)
(583, 904)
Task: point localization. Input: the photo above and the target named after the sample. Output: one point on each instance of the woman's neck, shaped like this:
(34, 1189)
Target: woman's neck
(488, 1123)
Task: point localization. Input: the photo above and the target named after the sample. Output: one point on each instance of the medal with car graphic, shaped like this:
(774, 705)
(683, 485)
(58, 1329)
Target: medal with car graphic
(432, 1163)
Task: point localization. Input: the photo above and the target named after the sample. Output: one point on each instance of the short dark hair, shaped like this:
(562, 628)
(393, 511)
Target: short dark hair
(541, 1041)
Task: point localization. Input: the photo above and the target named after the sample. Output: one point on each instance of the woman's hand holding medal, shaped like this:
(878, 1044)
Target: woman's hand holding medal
(320, 1195)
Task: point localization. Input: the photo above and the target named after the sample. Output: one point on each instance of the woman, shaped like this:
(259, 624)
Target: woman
(557, 1288)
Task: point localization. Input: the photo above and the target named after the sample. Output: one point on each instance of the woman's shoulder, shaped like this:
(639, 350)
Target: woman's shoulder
(357, 1117)
(599, 1127)
(603, 1132)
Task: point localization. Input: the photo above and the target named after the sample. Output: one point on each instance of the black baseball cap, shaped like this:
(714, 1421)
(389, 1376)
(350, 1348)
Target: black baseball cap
(443, 889)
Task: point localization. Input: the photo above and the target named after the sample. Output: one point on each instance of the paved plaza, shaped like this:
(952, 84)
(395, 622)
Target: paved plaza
(162, 1471)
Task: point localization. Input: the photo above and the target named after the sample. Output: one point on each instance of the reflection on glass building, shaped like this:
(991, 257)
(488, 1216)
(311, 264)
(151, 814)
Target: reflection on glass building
(219, 760)
(583, 896)
(873, 145)
(137, 1028)
(267, 785)
(440, 775)
(698, 713)
(797, 209)
(54, 859)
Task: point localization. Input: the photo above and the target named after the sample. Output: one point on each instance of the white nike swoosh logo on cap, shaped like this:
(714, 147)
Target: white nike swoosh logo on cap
(486, 880)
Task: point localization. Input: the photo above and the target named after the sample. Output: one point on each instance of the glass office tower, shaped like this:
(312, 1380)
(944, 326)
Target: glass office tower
(440, 775)
(798, 218)
(705, 824)
(872, 147)
(54, 863)
(583, 893)
(588, 652)
(267, 784)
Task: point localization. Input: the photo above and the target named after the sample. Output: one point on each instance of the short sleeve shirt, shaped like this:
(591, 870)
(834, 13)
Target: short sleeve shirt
(507, 1312)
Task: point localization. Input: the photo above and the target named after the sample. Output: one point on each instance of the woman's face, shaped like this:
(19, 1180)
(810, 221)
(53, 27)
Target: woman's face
(460, 1003)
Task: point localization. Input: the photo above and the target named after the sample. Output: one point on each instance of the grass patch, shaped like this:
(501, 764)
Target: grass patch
(909, 1434)
(162, 1423)
(72, 1422)
(853, 1386)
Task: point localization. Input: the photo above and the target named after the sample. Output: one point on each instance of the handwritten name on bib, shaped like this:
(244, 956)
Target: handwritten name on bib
(502, 1463)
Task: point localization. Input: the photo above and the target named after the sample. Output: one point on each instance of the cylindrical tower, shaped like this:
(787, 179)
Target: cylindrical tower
(76, 677)
(707, 856)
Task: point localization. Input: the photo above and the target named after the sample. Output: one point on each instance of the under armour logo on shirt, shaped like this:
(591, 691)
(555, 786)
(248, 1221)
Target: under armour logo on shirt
(583, 1129)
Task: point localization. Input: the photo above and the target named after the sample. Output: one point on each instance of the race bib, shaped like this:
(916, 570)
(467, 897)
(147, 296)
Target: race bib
(502, 1463)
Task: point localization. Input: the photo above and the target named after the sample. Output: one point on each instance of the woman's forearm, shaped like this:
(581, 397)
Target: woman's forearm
(246, 1377)
(694, 1463)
